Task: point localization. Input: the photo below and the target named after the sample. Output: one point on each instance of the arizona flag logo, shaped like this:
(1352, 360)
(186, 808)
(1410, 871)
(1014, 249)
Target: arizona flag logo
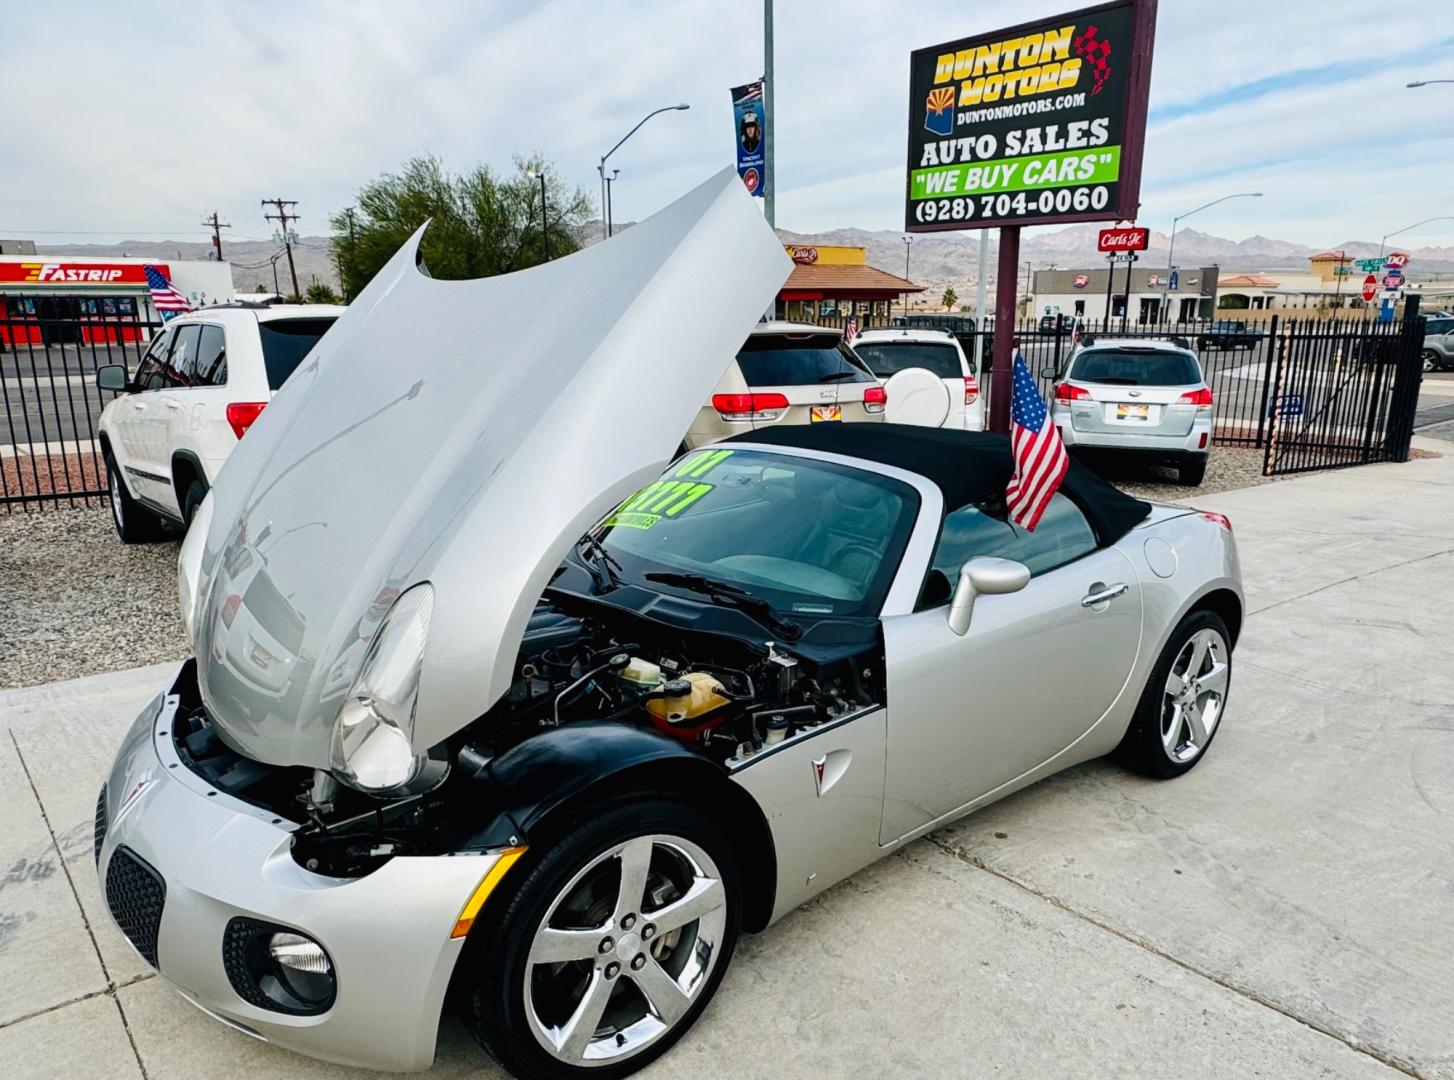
(939, 111)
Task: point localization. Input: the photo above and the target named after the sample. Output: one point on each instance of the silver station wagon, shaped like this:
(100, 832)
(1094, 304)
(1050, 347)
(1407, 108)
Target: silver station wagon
(490, 697)
(1146, 398)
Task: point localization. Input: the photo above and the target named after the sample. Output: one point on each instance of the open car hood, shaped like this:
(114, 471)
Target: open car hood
(464, 433)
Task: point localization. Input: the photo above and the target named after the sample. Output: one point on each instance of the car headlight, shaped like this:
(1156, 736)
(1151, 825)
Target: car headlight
(189, 564)
(372, 749)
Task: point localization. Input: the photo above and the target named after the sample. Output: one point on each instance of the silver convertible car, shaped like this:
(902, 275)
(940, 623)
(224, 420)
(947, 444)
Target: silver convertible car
(492, 704)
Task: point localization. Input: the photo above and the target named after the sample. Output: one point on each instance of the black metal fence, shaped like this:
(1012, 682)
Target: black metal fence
(1311, 393)
(49, 403)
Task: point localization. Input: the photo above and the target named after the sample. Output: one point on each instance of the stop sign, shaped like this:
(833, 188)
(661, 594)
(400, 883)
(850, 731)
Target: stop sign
(1370, 287)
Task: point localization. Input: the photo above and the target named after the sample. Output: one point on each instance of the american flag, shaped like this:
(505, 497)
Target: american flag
(1040, 457)
(164, 296)
(851, 330)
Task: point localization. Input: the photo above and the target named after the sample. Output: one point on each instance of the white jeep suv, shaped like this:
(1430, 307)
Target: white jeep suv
(204, 379)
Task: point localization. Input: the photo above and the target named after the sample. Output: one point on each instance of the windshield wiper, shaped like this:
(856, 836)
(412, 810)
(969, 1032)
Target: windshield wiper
(730, 596)
(603, 567)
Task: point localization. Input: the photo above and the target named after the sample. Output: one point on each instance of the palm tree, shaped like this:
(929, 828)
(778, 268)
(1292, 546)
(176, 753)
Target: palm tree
(949, 299)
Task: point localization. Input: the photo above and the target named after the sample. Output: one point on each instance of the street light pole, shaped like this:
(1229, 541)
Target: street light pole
(601, 168)
(1171, 255)
(907, 241)
(769, 127)
(609, 181)
(544, 217)
(1382, 243)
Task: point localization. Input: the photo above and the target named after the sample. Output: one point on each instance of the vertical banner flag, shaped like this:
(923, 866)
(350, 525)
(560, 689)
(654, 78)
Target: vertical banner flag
(747, 118)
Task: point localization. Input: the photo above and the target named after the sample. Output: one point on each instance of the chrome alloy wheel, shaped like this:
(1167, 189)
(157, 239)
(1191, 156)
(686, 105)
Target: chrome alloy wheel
(1196, 689)
(625, 950)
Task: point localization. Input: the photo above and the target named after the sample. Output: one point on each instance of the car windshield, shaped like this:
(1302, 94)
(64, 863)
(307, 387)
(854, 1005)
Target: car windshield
(1135, 367)
(811, 538)
(885, 358)
(285, 342)
(798, 360)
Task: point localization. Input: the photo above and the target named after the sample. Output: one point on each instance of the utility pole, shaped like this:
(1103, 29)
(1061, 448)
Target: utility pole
(282, 217)
(277, 289)
(216, 227)
(769, 168)
(342, 280)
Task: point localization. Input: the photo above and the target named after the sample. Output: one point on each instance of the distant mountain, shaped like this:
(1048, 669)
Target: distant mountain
(936, 260)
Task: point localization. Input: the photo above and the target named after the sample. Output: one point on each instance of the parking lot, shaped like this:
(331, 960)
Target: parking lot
(1282, 911)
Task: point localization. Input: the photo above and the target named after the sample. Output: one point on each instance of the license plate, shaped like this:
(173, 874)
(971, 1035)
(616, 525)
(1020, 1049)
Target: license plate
(826, 414)
(1126, 411)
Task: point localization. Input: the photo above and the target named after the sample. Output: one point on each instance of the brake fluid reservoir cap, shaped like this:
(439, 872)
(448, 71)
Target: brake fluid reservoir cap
(1161, 557)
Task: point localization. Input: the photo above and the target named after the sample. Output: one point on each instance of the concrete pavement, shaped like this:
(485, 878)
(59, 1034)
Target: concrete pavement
(1286, 910)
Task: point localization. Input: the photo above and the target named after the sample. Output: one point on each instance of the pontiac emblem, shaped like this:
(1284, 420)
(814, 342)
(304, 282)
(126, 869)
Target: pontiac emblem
(819, 764)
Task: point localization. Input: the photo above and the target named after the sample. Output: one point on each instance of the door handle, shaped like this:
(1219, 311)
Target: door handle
(169, 403)
(1110, 592)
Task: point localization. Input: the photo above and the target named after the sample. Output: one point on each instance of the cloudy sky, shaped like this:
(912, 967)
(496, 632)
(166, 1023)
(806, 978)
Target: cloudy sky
(133, 120)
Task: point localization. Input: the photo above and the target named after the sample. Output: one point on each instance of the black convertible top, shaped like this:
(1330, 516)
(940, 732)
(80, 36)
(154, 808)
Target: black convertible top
(967, 466)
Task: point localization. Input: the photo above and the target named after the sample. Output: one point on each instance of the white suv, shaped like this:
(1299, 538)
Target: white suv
(927, 376)
(204, 379)
(788, 373)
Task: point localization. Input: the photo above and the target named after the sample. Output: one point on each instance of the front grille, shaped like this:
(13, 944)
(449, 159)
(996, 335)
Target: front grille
(99, 829)
(136, 893)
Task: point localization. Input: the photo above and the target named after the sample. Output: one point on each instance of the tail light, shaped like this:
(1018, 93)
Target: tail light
(1221, 519)
(874, 399)
(1202, 398)
(749, 406)
(1067, 392)
(241, 414)
(971, 389)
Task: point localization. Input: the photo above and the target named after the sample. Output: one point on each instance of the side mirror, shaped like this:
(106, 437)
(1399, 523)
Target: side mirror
(988, 576)
(113, 377)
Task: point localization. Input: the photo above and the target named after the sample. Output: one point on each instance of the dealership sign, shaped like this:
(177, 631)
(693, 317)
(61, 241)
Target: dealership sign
(1038, 124)
(1135, 239)
(28, 274)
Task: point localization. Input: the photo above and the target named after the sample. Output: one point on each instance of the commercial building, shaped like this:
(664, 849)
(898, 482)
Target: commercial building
(1096, 293)
(831, 282)
(48, 299)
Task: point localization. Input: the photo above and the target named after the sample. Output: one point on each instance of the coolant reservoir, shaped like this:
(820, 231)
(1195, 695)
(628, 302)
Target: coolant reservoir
(641, 673)
(686, 700)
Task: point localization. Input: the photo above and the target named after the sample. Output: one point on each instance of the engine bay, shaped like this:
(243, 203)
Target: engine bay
(726, 698)
(721, 696)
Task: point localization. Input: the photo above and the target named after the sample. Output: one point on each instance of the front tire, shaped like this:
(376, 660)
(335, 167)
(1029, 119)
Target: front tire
(1430, 361)
(133, 524)
(1181, 708)
(192, 499)
(611, 946)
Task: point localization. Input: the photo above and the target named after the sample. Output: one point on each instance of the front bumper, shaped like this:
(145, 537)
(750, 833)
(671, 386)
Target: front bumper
(388, 934)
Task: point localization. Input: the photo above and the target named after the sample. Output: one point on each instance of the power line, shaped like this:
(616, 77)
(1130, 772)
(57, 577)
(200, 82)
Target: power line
(282, 217)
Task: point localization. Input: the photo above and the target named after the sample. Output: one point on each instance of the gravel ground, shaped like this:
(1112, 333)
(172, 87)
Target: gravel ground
(1228, 468)
(75, 600)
